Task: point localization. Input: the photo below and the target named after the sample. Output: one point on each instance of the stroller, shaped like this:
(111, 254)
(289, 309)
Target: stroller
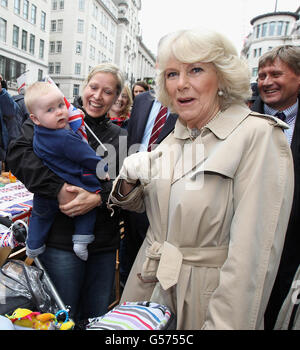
(27, 293)
(31, 285)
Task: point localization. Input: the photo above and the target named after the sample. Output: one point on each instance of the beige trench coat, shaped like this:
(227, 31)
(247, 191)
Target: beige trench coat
(217, 222)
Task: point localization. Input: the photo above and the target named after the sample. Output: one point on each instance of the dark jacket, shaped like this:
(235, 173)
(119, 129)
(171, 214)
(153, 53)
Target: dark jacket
(24, 114)
(10, 126)
(290, 259)
(30, 170)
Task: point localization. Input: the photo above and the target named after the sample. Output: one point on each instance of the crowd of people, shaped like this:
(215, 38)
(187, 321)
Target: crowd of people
(201, 170)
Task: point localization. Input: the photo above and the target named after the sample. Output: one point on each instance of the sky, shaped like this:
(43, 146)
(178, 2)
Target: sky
(230, 17)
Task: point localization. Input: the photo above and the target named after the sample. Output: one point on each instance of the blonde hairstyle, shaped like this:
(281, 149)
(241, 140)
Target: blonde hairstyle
(107, 68)
(195, 45)
(130, 100)
(35, 91)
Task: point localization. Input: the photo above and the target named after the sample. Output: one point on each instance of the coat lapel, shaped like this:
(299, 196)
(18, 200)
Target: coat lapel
(193, 153)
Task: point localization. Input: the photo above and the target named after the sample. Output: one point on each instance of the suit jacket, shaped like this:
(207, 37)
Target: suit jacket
(290, 259)
(10, 125)
(139, 116)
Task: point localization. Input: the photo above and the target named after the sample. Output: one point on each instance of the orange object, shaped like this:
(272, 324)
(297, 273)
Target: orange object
(11, 177)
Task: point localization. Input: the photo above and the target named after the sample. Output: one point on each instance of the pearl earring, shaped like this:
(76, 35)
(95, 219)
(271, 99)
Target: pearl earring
(220, 93)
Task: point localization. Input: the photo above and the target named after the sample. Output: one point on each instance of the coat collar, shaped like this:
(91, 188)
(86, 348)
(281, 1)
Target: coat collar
(222, 126)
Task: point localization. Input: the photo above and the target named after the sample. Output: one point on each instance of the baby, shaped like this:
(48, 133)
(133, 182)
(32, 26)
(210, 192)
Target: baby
(66, 154)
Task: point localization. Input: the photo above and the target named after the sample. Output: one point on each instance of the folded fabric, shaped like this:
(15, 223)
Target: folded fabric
(134, 316)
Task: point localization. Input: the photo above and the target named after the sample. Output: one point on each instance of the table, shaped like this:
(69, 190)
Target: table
(16, 204)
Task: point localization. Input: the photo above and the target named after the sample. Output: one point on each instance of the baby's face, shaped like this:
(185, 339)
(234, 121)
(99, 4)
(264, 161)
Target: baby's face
(51, 111)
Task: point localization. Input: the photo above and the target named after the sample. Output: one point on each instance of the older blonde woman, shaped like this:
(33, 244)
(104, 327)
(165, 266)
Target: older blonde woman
(217, 191)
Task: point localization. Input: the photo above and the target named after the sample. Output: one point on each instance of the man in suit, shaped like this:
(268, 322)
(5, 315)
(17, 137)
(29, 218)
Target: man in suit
(144, 111)
(278, 85)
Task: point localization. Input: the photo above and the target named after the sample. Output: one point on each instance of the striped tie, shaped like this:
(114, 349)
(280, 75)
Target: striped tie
(158, 125)
(281, 116)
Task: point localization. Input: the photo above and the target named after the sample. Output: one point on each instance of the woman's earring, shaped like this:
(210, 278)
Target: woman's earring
(220, 93)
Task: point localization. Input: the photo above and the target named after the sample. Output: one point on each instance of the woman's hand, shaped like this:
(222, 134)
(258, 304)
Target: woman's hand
(76, 201)
(140, 166)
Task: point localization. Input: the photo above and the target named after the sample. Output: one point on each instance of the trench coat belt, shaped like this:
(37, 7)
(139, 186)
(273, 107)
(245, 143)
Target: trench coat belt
(164, 261)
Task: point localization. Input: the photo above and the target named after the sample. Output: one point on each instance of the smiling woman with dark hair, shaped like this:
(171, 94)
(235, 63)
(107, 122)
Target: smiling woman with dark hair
(217, 191)
(139, 87)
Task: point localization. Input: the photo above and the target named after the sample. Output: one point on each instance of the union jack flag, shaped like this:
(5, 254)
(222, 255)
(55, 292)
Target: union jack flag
(76, 116)
(76, 121)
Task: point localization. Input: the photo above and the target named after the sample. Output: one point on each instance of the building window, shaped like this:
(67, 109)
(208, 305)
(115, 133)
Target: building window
(17, 6)
(111, 46)
(272, 28)
(41, 50)
(75, 90)
(13, 70)
(279, 28)
(60, 23)
(33, 14)
(24, 40)
(43, 20)
(52, 47)
(286, 29)
(61, 4)
(57, 67)
(31, 44)
(54, 4)
(3, 30)
(77, 68)
(112, 29)
(80, 26)
(254, 72)
(104, 20)
(51, 68)
(94, 32)
(58, 46)
(264, 29)
(81, 4)
(40, 75)
(15, 40)
(78, 47)
(25, 9)
(4, 3)
(2, 65)
(53, 26)
(92, 52)
(95, 11)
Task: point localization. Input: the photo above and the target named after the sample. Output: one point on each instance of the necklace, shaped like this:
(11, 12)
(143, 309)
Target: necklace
(195, 132)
